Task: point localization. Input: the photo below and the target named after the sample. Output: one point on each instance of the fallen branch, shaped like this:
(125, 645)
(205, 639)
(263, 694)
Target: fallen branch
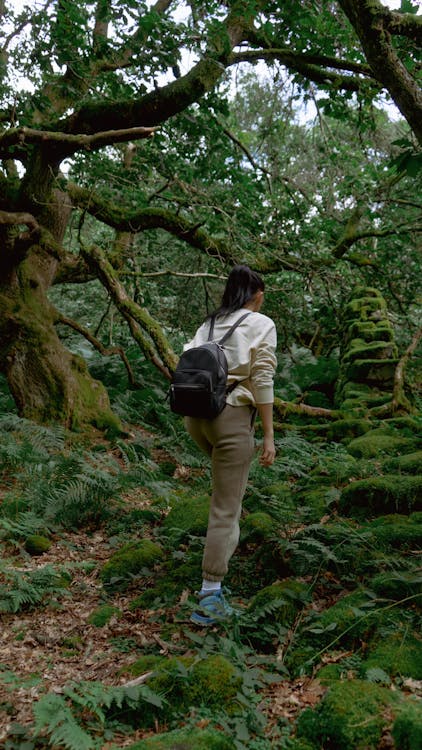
(283, 408)
(138, 680)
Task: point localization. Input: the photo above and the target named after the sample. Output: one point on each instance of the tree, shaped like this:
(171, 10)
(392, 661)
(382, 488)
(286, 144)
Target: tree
(101, 77)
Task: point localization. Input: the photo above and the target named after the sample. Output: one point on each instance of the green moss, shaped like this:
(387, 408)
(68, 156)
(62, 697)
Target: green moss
(350, 716)
(364, 350)
(283, 599)
(257, 527)
(398, 654)
(330, 673)
(129, 561)
(371, 331)
(395, 531)
(380, 441)
(391, 493)
(351, 617)
(407, 727)
(147, 663)
(362, 308)
(347, 428)
(398, 584)
(101, 616)
(187, 517)
(379, 371)
(92, 405)
(211, 682)
(186, 739)
(409, 463)
(37, 545)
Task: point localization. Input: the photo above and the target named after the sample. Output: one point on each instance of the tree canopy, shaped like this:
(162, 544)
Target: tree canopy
(146, 147)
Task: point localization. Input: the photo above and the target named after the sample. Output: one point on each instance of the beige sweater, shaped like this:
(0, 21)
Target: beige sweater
(250, 353)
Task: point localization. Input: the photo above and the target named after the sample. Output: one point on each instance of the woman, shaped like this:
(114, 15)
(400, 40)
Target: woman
(229, 438)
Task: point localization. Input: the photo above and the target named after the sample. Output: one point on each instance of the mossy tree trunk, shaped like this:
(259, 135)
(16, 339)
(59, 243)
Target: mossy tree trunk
(48, 383)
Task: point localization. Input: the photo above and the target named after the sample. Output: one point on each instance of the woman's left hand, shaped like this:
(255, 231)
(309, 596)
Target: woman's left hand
(268, 452)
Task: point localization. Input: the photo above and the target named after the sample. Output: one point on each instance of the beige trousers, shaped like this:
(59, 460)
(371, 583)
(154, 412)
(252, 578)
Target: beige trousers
(229, 441)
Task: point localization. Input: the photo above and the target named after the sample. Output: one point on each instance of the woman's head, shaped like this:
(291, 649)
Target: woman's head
(244, 287)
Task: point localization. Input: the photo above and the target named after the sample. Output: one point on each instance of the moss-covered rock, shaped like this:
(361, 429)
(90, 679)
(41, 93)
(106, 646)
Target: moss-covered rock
(409, 463)
(378, 442)
(398, 584)
(257, 527)
(407, 727)
(130, 561)
(102, 615)
(370, 349)
(394, 531)
(212, 682)
(390, 493)
(37, 544)
(188, 516)
(352, 617)
(399, 654)
(283, 599)
(146, 663)
(186, 739)
(376, 371)
(344, 429)
(351, 716)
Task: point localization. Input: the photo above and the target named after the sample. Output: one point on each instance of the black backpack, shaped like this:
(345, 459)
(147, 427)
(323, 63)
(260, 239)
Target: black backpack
(199, 383)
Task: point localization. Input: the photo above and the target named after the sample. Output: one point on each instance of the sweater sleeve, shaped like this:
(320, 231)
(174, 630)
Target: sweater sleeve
(263, 366)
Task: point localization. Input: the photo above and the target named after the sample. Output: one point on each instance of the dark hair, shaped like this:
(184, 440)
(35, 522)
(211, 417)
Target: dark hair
(241, 285)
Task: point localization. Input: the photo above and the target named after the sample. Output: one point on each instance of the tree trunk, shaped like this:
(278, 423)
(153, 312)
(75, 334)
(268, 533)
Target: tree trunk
(49, 383)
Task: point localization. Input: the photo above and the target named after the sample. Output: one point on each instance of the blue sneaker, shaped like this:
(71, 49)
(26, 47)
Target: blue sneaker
(214, 609)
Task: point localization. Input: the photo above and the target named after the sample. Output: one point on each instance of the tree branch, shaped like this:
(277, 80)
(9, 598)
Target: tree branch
(19, 136)
(19, 217)
(399, 401)
(301, 64)
(96, 343)
(138, 318)
(284, 408)
(351, 237)
(149, 218)
(368, 18)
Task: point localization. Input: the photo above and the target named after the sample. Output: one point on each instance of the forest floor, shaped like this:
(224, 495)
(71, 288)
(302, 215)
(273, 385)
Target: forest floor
(46, 648)
(54, 646)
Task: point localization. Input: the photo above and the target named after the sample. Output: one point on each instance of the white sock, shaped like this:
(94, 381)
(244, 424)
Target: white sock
(210, 586)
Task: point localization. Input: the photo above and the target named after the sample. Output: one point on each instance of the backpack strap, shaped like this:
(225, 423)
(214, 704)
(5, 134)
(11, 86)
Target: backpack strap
(229, 332)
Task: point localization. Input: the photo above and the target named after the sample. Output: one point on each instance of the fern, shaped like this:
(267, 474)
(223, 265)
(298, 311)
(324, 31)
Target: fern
(41, 438)
(54, 717)
(26, 523)
(29, 587)
(62, 717)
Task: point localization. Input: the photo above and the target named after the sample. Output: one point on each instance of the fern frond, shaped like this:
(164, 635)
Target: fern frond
(28, 588)
(54, 717)
(42, 438)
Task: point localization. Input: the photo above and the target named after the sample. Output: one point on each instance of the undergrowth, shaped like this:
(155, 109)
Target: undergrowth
(53, 483)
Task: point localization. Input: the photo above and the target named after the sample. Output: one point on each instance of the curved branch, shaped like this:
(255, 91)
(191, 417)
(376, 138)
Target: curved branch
(350, 238)
(138, 318)
(19, 217)
(399, 402)
(300, 64)
(150, 218)
(96, 343)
